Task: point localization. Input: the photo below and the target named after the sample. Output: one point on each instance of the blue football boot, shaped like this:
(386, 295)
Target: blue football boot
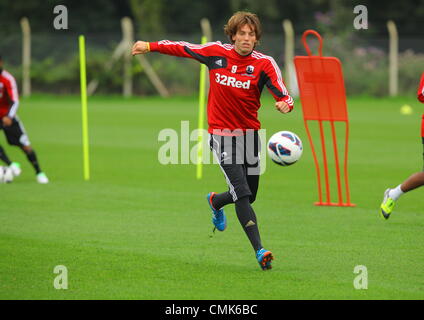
(219, 219)
(264, 258)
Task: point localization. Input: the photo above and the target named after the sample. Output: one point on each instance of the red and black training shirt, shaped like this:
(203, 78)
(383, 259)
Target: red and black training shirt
(236, 82)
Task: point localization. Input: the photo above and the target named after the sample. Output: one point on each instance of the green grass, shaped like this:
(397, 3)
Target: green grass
(140, 230)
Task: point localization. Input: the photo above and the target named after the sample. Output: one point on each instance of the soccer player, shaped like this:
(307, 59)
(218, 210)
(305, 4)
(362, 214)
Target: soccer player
(414, 181)
(237, 75)
(12, 126)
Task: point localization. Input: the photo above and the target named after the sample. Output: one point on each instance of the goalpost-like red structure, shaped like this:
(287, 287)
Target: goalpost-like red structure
(323, 98)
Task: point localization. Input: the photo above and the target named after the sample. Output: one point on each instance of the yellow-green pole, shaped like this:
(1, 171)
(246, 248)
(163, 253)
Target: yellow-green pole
(83, 79)
(202, 99)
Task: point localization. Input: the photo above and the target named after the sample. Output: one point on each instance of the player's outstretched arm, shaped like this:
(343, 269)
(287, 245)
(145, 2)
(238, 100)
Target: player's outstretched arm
(179, 49)
(140, 47)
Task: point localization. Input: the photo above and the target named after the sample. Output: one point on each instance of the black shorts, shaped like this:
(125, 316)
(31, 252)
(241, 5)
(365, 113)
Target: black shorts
(15, 133)
(238, 157)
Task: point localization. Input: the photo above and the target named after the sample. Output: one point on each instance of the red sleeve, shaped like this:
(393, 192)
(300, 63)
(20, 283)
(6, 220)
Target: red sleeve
(12, 92)
(11, 89)
(276, 85)
(185, 49)
(422, 127)
(420, 92)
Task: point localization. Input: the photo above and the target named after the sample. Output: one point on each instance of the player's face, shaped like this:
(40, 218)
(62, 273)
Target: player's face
(244, 40)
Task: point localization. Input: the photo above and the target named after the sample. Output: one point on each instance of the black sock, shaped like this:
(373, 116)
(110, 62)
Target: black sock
(221, 199)
(32, 157)
(4, 157)
(247, 218)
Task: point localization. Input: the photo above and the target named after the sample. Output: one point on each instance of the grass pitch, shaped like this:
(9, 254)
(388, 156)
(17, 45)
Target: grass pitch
(140, 230)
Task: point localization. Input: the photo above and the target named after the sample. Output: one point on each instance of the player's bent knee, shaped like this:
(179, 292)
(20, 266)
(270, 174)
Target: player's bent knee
(252, 198)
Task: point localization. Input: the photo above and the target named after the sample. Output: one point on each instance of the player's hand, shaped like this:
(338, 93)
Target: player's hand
(282, 107)
(7, 122)
(140, 47)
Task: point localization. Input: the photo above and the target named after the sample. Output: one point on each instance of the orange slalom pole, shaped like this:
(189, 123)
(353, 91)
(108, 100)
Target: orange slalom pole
(316, 163)
(345, 168)
(324, 154)
(336, 156)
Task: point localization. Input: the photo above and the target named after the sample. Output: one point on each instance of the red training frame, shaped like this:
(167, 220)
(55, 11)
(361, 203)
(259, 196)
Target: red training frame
(323, 98)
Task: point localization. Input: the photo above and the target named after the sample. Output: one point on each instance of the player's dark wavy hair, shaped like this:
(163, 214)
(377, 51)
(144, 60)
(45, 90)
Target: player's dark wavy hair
(238, 20)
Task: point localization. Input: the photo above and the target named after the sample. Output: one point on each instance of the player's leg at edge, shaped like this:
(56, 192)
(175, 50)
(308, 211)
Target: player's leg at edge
(16, 136)
(392, 195)
(387, 205)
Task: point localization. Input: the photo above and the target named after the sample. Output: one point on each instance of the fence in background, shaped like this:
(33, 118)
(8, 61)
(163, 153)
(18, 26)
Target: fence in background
(54, 62)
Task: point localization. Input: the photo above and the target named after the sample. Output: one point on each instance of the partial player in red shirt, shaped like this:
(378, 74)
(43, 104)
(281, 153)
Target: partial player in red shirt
(414, 181)
(12, 125)
(237, 75)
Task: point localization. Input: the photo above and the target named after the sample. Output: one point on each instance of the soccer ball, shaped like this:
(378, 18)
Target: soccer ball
(285, 148)
(6, 175)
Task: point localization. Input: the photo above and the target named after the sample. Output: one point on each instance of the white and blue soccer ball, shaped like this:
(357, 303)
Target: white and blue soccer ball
(285, 148)
(6, 175)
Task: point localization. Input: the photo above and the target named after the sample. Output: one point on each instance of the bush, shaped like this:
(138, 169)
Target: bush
(56, 69)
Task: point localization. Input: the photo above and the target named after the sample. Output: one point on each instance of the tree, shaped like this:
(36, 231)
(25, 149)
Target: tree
(148, 15)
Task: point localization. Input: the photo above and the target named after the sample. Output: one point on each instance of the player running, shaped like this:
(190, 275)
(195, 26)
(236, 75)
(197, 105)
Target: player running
(237, 75)
(12, 126)
(414, 181)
